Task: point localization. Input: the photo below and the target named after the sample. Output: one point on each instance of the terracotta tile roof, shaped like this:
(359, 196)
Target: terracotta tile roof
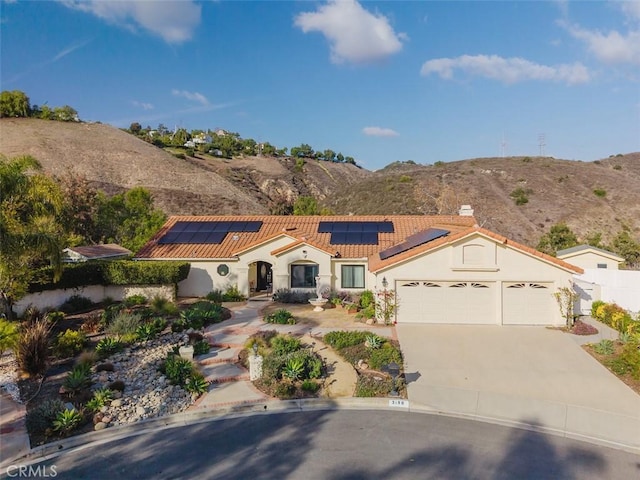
(300, 229)
(101, 251)
(376, 264)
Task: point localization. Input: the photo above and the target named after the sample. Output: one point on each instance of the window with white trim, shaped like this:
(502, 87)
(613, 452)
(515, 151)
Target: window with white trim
(304, 276)
(352, 276)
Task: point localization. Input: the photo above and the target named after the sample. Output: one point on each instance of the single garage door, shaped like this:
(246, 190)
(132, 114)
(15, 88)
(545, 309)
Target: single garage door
(430, 301)
(526, 303)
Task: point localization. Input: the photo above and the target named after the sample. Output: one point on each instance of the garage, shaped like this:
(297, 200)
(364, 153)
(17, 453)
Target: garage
(452, 302)
(528, 303)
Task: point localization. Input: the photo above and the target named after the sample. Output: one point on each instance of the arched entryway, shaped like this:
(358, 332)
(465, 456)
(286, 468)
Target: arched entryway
(260, 277)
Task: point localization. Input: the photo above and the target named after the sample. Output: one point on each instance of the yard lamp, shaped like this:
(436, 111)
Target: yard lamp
(394, 371)
(255, 349)
(385, 284)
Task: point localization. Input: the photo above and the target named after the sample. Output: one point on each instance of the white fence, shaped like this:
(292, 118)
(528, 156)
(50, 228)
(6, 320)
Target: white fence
(611, 286)
(96, 293)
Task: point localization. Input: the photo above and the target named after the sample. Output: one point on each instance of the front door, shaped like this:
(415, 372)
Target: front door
(264, 276)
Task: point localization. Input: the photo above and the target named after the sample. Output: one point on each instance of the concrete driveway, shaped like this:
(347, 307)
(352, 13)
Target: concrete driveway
(530, 375)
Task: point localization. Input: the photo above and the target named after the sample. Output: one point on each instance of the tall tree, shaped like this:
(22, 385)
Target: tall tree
(560, 236)
(625, 245)
(30, 207)
(14, 104)
(128, 218)
(306, 206)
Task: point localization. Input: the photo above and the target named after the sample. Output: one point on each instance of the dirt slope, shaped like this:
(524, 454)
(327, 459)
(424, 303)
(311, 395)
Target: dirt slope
(557, 190)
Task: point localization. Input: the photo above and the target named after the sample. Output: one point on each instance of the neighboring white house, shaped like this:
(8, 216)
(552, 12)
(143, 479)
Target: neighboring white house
(443, 269)
(108, 251)
(586, 256)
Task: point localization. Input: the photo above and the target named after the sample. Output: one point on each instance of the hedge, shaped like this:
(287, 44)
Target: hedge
(118, 272)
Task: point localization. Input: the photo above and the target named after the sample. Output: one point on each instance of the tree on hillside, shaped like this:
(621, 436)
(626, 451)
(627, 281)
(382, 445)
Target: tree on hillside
(340, 157)
(14, 104)
(249, 146)
(350, 160)
(128, 219)
(30, 207)
(329, 155)
(624, 245)
(304, 151)
(268, 149)
(79, 210)
(65, 114)
(559, 237)
(135, 128)
(306, 205)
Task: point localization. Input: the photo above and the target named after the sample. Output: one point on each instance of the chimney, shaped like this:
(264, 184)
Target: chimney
(465, 211)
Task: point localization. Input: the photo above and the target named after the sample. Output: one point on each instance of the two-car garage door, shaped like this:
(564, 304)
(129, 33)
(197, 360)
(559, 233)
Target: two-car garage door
(466, 302)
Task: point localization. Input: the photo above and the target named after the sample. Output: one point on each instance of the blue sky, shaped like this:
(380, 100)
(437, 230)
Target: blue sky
(380, 81)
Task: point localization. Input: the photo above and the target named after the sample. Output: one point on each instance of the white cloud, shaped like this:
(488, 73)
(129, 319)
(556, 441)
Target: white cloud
(612, 47)
(631, 9)
(142, 105)
(379, 132)
(506, 70)
(193, 96)
(174, 21)
(354, 34)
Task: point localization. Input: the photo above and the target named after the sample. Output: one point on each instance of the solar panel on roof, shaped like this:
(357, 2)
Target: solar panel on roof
(221, 226)
(338, 238)
(169, 237)
(369, 238)
(354, 238)
(370, 227)
(253, 226)
(413, 241)
(184, 237)
(354, 227)
(385, 227)
(201, 232)
(179, 227)
(325, 227)
(215, 237)
(199, 237)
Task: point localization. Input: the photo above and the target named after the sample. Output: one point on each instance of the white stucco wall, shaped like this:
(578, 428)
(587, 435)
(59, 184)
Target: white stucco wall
(52, 299)
(492, 262)
(204, 277)
(588, 259)
(617, 286)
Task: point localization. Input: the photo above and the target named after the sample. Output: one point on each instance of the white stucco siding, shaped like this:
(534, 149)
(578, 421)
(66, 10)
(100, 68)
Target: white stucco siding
(303, 255)
(339, 282)
(586, 260)
(491, 266)
(204, 277)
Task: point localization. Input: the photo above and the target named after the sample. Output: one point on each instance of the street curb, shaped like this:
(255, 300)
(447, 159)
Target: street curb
(215, 413)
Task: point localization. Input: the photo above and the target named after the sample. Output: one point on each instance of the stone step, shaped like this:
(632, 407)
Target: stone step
(229, 394)
(219, 355)
(226, 339)
(224, 372)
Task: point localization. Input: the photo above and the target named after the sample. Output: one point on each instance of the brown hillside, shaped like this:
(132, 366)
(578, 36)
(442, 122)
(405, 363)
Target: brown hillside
(558, 190)
(114, 160)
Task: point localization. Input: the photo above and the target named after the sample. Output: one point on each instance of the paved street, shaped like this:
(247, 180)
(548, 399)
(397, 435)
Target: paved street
(345, 445)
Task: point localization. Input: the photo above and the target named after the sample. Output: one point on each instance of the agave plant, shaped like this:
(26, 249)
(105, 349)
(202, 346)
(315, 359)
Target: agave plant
(107, 346)
(373, 341)
(294, 368)
(196, 383)
(67, 420)
(77, 379)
